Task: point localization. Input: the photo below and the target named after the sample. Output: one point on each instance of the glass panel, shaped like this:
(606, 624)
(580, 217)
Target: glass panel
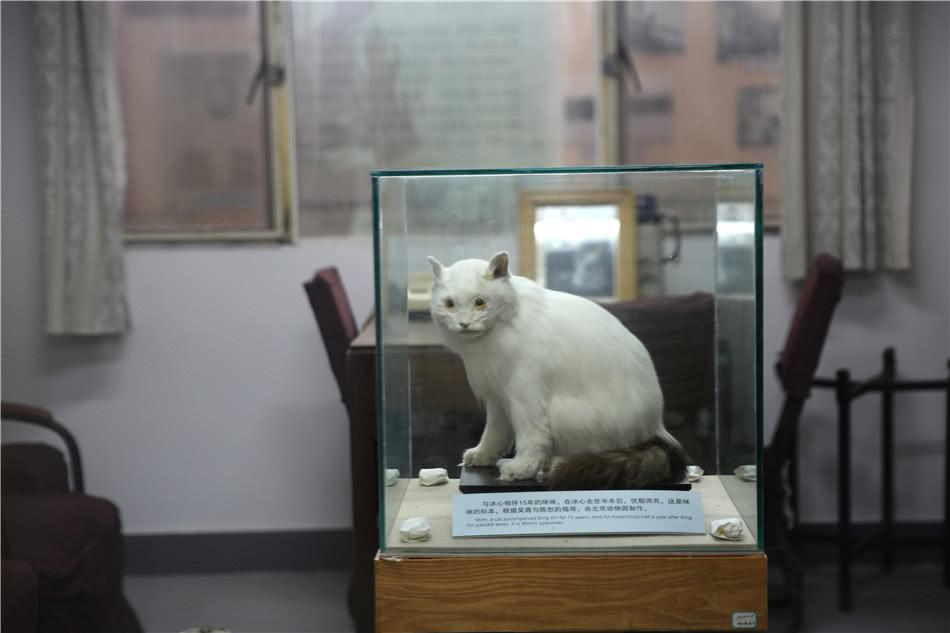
(392, 332)
(196, 149)
(737, 318)
(694, 317)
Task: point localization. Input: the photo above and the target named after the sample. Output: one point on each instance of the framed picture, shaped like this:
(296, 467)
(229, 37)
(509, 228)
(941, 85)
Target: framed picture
(652, 28)
(748, 32)
(759, 112)
(582, 242)
(649, 117)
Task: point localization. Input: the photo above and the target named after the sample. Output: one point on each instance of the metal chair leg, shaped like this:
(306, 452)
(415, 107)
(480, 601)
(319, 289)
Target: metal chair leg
(844, 489)
(887, 461)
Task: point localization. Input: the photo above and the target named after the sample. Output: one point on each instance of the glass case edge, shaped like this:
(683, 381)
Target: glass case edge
(760, 488)
(757, 168)
(517, 171)
(377, 325)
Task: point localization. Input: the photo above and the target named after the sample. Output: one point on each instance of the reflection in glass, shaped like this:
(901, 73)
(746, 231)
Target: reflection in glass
(576, 248)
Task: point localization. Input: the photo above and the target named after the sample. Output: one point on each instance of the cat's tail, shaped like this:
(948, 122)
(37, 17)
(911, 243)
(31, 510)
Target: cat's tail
(658, 461)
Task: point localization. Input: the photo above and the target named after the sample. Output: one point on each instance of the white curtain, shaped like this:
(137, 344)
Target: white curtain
(84, 170)
(847, 139)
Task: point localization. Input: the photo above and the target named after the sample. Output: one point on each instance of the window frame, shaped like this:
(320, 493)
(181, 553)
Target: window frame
(280, 145)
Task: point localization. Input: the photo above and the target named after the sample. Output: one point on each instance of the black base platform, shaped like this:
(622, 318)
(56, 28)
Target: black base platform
(484, 479)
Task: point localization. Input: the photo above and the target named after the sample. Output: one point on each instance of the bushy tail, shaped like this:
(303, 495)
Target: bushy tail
(654, 462)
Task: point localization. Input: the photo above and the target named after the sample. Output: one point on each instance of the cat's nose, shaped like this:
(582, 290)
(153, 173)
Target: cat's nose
(463, 325)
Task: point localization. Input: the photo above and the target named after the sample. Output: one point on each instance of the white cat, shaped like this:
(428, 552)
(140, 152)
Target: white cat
(561, 380)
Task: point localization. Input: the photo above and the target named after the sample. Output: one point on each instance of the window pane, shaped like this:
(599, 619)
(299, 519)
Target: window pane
(196, 151)
(709, 77)
(452, 85)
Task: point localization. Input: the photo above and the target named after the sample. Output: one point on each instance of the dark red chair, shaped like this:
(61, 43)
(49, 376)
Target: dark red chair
(331, 307)
(679, 333)
(334, 315)
(796, 371)
(62, 549)
(21, 592)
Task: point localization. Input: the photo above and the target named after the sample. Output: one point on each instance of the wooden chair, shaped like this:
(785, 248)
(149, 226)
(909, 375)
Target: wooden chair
(334, 314)
(679, 333)
(796, 371)
(331, 307)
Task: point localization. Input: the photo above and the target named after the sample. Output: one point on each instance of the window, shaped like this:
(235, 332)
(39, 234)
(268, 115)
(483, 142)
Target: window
(702, 87)
(467, 85)
(384, 85)
(208, 126)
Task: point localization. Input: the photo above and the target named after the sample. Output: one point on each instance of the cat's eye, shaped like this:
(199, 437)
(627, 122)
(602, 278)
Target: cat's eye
(449, 303)
(479, 303)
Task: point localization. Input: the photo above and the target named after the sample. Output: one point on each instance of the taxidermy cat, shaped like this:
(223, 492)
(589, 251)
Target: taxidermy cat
(561, 379)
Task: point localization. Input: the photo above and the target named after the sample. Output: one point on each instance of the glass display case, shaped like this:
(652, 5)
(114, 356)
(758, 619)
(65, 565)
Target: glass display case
(689, 293)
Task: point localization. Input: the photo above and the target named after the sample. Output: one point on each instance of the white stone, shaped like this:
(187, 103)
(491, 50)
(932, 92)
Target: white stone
(746, 472)
(415, 529)
(727, 529)
(694, 473)
(433, 476)
(392, 476)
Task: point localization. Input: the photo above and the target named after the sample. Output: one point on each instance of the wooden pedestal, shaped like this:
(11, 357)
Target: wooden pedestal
(571, 593)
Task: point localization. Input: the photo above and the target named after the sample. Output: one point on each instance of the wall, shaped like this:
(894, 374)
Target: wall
(909, 311)
(219, 412)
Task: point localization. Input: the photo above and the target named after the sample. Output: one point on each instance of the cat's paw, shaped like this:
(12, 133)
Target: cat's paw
(478, 457)
(518, 469)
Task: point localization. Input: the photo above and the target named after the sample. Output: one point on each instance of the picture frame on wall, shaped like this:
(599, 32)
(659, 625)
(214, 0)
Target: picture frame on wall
(748, 32)
(652, 28)
(581, 242)
(759, 112)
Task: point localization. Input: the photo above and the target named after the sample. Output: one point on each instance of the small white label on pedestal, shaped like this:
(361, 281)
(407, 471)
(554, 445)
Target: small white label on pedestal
(744, 620)
(595, 512)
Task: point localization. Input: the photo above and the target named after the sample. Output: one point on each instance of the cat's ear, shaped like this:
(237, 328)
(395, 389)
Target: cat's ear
(498, 266)
(436, 267)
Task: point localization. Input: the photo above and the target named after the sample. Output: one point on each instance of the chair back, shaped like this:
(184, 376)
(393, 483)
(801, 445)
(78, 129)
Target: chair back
(796, 370)
(30, 467)
(679, 334)
(334, 315)
(810, 323)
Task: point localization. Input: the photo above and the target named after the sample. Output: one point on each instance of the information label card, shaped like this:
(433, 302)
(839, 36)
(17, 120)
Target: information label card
(595, 512)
